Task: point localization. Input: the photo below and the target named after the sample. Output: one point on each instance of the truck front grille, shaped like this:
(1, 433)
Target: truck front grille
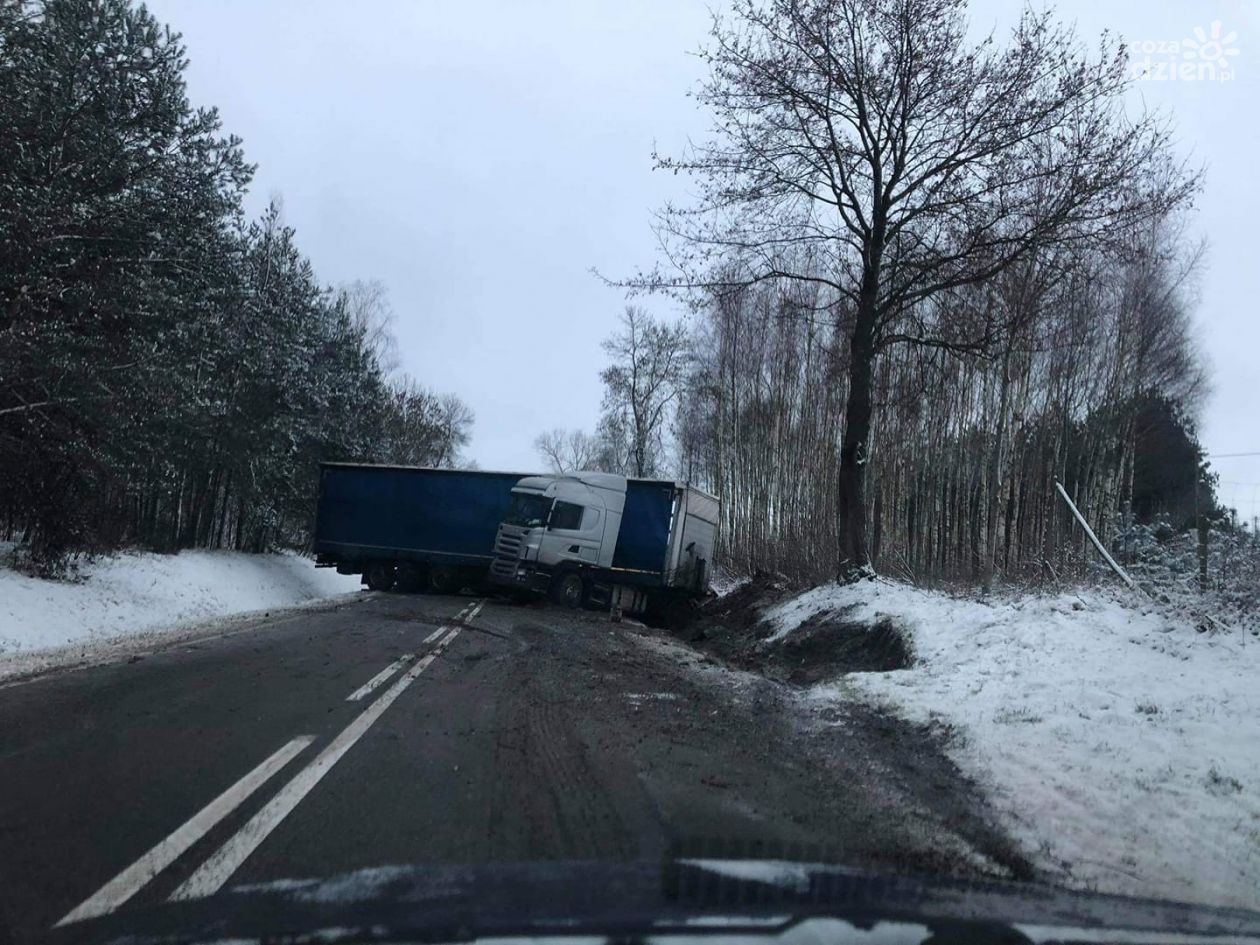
(508, 546)
(503, 569)
(507, 554)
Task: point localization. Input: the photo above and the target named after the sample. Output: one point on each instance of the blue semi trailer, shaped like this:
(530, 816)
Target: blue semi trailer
(410, 527)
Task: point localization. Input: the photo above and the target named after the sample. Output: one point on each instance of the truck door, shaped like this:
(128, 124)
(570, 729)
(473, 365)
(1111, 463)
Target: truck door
(575, 531)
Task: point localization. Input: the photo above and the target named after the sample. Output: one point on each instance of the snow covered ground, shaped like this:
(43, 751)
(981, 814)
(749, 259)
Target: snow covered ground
(1121, 747)
(129, 594)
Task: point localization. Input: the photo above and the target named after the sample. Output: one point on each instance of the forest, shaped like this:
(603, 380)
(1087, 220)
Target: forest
(171, 372)
(924, 282)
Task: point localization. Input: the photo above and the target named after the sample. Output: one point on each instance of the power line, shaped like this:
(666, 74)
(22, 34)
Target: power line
(1230, 455)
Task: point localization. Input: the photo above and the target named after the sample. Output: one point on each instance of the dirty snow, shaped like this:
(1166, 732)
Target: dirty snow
(132, 593)
(723, 581)
(1120, 747)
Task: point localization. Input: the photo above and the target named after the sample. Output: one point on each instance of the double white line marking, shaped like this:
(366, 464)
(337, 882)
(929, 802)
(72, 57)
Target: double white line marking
(387, 673)
(216, 870)
(129, 882)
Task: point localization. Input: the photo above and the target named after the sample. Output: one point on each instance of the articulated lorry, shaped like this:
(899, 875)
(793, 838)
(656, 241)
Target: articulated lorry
(629, 544)
(410, 527)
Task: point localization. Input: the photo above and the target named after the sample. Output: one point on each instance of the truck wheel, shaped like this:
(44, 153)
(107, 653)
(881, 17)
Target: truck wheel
(443, 580)
(568, 589)
(380, 577)
(408, 578)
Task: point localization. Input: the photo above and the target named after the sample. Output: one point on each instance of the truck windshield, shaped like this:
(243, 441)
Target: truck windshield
(528, 511)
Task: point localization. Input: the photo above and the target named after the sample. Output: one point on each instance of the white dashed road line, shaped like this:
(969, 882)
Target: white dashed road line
(380, 678)
(218, 868)
(127, 883)
(225, 861)
(384, 675)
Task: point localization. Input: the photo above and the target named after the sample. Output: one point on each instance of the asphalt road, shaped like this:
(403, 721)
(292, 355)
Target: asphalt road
(479, 731)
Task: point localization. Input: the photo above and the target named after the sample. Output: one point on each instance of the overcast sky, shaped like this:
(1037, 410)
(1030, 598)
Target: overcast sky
(480, 158)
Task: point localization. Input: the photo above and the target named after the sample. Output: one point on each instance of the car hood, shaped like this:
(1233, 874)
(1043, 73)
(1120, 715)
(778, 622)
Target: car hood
(761, 900)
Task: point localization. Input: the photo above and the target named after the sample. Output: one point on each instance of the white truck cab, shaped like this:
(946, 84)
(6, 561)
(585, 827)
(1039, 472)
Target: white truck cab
(565, 535)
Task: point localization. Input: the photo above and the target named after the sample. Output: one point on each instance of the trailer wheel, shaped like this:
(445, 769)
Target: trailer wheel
(568, 589)
(443, 580)
(380, 577)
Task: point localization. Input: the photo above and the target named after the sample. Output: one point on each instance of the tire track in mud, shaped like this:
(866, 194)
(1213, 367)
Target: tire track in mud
(586, 820)
(548, 798)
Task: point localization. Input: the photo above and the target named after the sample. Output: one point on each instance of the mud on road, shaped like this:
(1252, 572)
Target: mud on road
(737, 761)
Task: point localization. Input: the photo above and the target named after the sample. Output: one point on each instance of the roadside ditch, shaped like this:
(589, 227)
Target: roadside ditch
(809, 665)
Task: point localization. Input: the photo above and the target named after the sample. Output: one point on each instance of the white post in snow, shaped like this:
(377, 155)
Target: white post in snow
(1094, 538)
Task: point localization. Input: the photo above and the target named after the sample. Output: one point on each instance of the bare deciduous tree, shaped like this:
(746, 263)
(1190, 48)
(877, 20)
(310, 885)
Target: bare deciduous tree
(367, 304)
(454, 424)
(649, 362)
(423, 428)
(567, 451)
(865, 146)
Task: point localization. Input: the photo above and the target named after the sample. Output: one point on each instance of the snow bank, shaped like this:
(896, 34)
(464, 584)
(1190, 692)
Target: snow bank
(131, 593)
(1121, 747)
